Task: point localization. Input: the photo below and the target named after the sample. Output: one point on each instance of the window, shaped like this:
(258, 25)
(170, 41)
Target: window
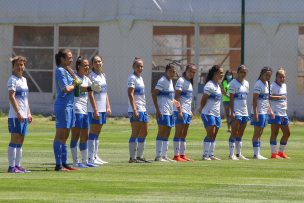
(38, 43)
(300, 78)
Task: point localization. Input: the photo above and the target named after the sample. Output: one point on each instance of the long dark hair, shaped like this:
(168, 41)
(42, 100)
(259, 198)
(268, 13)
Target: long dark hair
(62, 53)
(264, 70)
(212, 71)
(228, 72)
(189, 65)
(79, 60)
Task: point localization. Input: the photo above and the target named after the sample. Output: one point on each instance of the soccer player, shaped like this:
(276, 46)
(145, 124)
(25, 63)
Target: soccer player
(103, 108)
(137, 113)
(210, 110)
(228, 77)
(278, 101)
(260, 109)
(19, 115)
(239, 89)
(163, 98)
(80, 127)
(183, 114)
(66, 82)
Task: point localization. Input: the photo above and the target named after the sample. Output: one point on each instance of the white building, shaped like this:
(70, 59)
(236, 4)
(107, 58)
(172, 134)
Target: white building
(205, 32)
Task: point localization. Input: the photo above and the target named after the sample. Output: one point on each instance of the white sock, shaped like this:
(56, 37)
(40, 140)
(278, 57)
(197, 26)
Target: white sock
(140, 147)
(238, 147)
(132, 147)
(18, 156)
(159, 145)
(231, 148)
(176, 146)
(96, 147)
(282, 148)
(212, 147)
(206, 147)
(91, 149)
(256, 151)
(84, 156)
(11, 153)
(165, 148)
(74, 155)
(273, 148)
(182, 148)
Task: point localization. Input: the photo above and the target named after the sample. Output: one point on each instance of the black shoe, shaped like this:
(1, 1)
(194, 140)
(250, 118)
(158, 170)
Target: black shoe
(60, 168)
(142, 160)
(133, 160)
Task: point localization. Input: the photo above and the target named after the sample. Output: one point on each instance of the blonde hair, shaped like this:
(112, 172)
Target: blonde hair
(17, 58)
(281, 70)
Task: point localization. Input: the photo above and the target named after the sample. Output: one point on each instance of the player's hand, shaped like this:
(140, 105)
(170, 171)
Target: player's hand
(30, 118)
(96, 87)
(176, 103)
(109, 112)
(255, 118)
(272, 116)
(135, 114)
(158, 114)
(232, 116)
(20, 117)
(77, 82)
(180, 115)
(96, 115)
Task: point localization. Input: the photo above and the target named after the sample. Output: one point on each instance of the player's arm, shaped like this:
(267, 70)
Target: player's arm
(155, 92)
(255, 106)
(231, 103)
(178, 107)
(108, 107)
(132, 101)
(12, 99)
(203, 101)
(94, 106)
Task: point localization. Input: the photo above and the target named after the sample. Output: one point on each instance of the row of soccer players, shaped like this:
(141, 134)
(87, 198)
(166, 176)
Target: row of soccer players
(173, 107)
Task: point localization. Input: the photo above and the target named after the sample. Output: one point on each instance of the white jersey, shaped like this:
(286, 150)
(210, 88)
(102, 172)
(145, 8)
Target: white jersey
(240, 91)
(279, 106)
(81, 102)
(213, 104)
(263, 91)
(19, 86)
(137, 83)
(186, 88)
(100, 97)
(165, 96)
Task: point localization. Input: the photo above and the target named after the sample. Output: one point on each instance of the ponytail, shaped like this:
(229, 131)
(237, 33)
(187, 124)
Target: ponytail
(212, 71)
(62, 53)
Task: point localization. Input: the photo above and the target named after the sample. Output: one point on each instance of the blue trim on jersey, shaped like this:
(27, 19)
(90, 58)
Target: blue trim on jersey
(14, 126)
(186, 94)
(81, 121)
(241, 96)
(187, 118)
(142, 117)
(262, 122)
(242, 119)
(263, 96)
(64, 116)
(21, 93)
(102, 118)
(216, 97)
(169, 94)
(166, 120)
(280, 120)
(103, 88)
(210, 120)
(139, 91)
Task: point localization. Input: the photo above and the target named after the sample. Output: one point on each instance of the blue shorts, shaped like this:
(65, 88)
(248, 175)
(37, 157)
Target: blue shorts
(81, 121)
(185, 120)
(142, 117)
(166, 120)
(280, 120)
(210, 120)
(242, 119)
(262, 121)
(102, 118)
(64, 117)
(14, 126)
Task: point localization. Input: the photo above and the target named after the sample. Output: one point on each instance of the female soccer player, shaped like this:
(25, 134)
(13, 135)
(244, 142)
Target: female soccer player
(163, 98)
(19, 115)
(228, 77)
(63, 107)
(103, 108)
(260, 109)
(137, 113)
(210, 110)
(183, 114)
(80, 127)
(239, 89)
(278, 101)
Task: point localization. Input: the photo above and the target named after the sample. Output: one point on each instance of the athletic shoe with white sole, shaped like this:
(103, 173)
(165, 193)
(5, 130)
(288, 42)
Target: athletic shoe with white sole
(260, 157)
(98, 159)
(168, 159)
(241, 157)
(14, 170)
(142, 160)
(205, 158)
(214, 158)
(158, 158)
(233, 157)
(22, 169)
(80, 165)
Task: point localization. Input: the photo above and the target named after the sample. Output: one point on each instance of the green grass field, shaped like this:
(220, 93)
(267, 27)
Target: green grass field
(119, 181)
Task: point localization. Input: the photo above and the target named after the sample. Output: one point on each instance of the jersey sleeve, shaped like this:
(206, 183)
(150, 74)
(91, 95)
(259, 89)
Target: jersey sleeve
(61, 78)
(257, 88)
(160, 84)
(232, 88)
(179, 84)
(208, 89)
(131, 82)
(11, 84)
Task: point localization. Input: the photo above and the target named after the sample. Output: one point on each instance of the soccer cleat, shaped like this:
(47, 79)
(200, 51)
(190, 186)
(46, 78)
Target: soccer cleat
(206, 158)
(275, 156)
(98, 159)
(133, 160)
(142, 160)
(70, 168)
(260, 157)
(283, 155)
(22, 169)
(185, 158)
(234, 158)
(168, 159)
(214, 158)
(80, 165)
(94, 162)
(60, 168)
(179, 159)
(90, 165)
(241, 157)
(12, 169)
(158, 158)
